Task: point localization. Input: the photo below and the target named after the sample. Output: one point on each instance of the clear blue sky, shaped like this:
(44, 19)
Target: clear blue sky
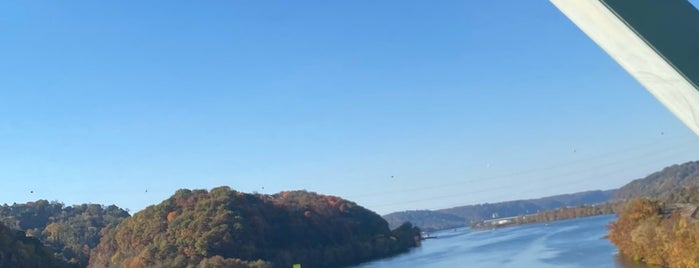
(393, 104)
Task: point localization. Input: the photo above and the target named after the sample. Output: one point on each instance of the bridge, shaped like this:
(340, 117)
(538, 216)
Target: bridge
(656, 41)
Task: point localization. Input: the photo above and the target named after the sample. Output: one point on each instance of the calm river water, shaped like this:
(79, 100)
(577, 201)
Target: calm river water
(569, 243)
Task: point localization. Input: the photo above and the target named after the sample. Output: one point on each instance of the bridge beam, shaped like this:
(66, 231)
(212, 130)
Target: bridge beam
(656, 41)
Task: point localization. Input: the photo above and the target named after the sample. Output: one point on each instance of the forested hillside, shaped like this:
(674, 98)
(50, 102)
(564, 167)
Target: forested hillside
(71, 231)
(660, 222)
(226, 228)
(466, 215)
(550, 215)
(426, 220)
(20, 251)
(663, 183)
(657, 233)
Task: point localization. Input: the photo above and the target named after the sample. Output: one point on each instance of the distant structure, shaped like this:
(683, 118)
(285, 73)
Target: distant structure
(500, 221)
(656, 41)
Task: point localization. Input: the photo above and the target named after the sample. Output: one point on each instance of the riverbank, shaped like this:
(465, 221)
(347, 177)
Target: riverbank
(565, 243)
(547, 216)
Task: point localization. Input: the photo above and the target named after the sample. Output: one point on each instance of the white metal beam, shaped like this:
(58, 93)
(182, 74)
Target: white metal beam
(638, 56)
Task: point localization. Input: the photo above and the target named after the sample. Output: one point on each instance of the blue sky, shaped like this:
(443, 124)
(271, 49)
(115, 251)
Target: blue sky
(393, 104)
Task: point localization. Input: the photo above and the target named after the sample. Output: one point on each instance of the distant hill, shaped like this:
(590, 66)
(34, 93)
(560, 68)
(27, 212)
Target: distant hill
(464, 215)
(662, 184)
(427, 220)
(226, 228)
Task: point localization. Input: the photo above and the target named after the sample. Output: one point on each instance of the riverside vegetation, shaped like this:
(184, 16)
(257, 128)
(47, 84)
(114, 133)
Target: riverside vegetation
(660, 222)
(649, 231)
(462, 216)
(657, 217)
(657, 223)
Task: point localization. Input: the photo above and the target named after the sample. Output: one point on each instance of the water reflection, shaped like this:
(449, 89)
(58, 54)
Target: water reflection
(626, 262)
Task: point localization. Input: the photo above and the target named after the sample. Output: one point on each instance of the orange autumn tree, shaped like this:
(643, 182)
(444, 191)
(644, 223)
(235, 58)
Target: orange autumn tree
(648, 232)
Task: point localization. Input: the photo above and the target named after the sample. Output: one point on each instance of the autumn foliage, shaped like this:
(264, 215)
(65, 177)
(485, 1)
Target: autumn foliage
(226, 228)
(72, 232)
(198, 228)
(19, 251)
(648, 231)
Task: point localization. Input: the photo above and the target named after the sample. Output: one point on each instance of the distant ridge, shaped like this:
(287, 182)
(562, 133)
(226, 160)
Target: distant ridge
(431, 220)
(662, 184)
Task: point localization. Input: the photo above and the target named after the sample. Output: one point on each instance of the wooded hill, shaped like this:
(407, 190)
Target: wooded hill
(662, 184)
(431, 220)
(17, 250)
(72, 232)
(226, 228)
(199, 228)
(660, 222)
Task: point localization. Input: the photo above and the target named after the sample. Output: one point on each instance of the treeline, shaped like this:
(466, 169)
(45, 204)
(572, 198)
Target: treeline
(226, 228)
(663, 183)
(199, 228)
(568, 213)
(551, 215)
(17, 250)
(660, 224)
(649, 231)
(431, 220)
(72, 232)
(682, 196)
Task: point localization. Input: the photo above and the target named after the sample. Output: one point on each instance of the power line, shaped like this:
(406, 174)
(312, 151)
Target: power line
(536, 170)
(536, 187)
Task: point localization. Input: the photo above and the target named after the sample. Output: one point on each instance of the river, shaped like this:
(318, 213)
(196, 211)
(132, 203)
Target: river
(569, 243)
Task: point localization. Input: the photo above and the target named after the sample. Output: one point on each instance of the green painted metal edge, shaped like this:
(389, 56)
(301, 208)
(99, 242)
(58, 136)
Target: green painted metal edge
(670, 27)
